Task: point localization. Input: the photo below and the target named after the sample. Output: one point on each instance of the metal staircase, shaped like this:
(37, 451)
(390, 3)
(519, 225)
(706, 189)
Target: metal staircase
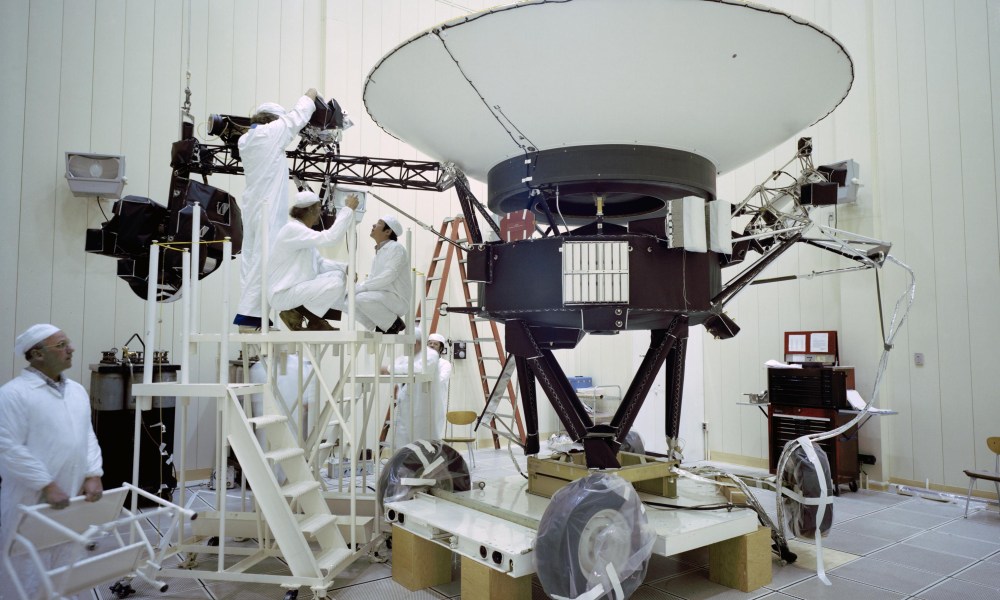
(295, 509)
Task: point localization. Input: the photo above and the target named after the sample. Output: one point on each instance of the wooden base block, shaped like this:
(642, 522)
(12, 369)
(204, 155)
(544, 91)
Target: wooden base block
(479, 582)
(418, 563)
(546, 476)
(742, 563)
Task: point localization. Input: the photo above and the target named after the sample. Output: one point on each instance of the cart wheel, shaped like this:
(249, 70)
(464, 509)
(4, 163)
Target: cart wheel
(853, 486)
(212, 541)
(446, 466)
(786, 555)
(594, 525)
(291, 594)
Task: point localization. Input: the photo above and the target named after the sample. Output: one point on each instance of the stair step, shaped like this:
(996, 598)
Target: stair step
(297, 490)
(283, 454)
(332, 557)
(328, 445)
(315, 523)
(267, 420)
(243, 389)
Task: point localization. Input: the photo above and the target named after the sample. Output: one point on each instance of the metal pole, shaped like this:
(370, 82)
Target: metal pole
(185, 379)
(147, 363)
(196, 263)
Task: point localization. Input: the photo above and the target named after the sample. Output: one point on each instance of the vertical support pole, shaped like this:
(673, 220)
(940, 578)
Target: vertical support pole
(221, 474)
(352, 273)
(152, 283)
(265, 250)
(181, 466)
(196, 269)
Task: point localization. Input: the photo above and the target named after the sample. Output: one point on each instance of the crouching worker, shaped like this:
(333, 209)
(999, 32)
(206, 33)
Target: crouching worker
(303, 285)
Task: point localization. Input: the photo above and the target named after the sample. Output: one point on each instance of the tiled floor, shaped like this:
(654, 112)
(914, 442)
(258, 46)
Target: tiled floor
(896, 547)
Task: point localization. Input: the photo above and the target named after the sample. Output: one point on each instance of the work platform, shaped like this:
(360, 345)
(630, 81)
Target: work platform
(494, 526)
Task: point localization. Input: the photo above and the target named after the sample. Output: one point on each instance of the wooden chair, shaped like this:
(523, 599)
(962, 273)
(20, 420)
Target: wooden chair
(462, 418)
(993, 443)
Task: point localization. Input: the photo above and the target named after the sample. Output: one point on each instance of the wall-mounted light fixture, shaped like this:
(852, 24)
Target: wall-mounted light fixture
(95, 174)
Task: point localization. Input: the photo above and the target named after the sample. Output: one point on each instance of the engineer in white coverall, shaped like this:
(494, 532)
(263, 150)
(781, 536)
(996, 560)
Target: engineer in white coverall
(437, 343)
(302, 283)
(48, 450)
(262, 150)
(381, 300)
(415, 415)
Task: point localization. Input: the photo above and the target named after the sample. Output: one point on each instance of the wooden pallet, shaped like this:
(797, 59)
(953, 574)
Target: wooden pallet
(646, 473)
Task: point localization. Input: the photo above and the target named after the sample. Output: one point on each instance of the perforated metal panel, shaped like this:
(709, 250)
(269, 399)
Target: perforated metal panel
(595, 272)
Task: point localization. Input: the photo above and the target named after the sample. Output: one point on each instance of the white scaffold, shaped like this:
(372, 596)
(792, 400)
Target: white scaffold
(286, 508)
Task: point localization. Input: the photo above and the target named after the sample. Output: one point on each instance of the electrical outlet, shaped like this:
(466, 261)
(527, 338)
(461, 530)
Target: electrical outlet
(918, 359)
(704, 426)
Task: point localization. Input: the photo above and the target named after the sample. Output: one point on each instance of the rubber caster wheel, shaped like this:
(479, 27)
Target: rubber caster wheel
(291, 594)
(853, 486)
(212, 541)
(445, 465)
(592, 527)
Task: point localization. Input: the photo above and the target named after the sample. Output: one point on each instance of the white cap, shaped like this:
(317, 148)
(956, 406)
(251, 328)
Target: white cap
(437, 337)
(271, 108)
(33, 335)
(393, 224)
(305, 198)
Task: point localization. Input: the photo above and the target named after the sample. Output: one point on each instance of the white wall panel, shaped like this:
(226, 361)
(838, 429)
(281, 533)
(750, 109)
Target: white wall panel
(978, 55)
(76, 81)
(948, 218)
(13, 79)
(39, 162)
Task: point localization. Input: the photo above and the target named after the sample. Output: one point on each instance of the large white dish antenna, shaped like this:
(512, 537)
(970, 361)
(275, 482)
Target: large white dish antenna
(720, 79)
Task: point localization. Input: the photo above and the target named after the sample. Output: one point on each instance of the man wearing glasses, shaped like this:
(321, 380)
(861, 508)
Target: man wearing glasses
(48, 450)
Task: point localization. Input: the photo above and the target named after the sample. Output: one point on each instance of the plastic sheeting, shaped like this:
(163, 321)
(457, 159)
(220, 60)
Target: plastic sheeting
(421, 465)
(802, 479)
(594, 540)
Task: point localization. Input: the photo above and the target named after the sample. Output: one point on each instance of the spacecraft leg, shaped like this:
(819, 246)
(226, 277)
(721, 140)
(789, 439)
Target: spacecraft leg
(600, 442)
(529, 403)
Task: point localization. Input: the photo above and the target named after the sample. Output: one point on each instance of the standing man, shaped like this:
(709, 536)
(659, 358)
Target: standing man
(302, 283)
(415, 417)
(48, 450)
(382, 299)
(438, 343)
(262, 150)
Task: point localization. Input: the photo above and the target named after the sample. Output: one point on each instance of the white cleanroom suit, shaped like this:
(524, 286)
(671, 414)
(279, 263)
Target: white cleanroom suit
(299, 276)
(417, 400)
(441, 396)
(45, 437)
(386, 294)
(262, 150)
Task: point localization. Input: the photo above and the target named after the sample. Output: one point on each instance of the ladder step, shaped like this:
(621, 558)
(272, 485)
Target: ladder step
(333, 557)
(316, 522)
(267, 420)
(439, 258)
(293, 491)
(283, 454)
(328, 445)
(462, 261)
(483, 358)
(489, 377)
(436, 278)
(481, 340)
